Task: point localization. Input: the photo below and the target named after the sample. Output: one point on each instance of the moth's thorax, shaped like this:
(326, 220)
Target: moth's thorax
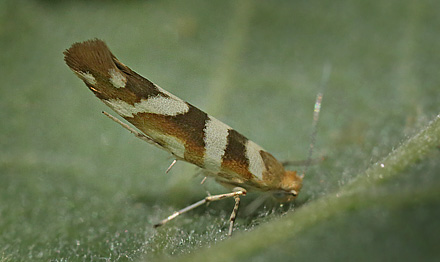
(284, 185)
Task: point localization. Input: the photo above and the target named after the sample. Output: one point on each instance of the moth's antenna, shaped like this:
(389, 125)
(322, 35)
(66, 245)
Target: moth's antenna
(325, 76)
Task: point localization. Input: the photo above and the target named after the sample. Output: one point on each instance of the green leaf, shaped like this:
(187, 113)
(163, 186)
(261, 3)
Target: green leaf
(75, 186)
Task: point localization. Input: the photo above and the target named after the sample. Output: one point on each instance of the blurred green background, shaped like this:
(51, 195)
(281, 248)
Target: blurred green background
(74, 186)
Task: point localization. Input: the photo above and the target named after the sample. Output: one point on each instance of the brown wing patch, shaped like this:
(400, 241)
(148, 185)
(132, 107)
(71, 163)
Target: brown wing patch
(274, 169)
(235, 159)
(188, 128)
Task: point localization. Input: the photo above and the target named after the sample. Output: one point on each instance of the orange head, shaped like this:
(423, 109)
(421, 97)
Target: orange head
(289, 186)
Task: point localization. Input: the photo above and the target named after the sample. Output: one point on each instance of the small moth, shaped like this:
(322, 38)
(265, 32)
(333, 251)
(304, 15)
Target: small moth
(185, 131)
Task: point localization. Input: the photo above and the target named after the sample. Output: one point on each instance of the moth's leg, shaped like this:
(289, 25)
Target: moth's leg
(132, 130)
(237, 192)
(233, 215)
(171, 166)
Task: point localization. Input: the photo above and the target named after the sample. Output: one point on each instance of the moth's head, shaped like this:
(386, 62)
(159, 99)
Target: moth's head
(289, 187)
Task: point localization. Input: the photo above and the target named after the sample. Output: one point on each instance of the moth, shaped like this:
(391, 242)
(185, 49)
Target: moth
(186, 132)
